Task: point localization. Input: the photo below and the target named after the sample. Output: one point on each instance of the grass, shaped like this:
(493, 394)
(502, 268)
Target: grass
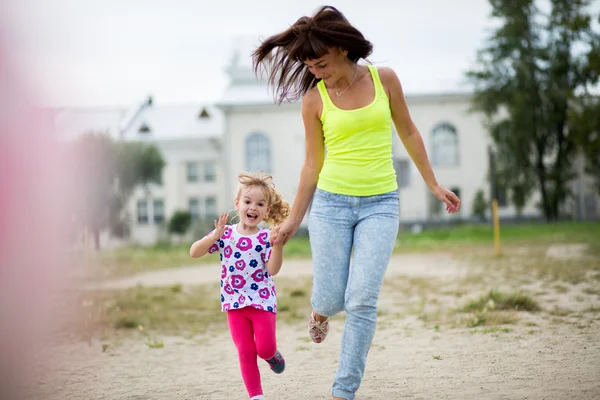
(494, 329)
(436, 303)
(559, 312)
(497, 300)
(172, 310)
(591, 291)
(494, 308)
(593, 309)
(561, 288)
(293, 299)
(132, 260)
(534, 265)
(154, 344)
(480, 234)
(562, 270)
(494, 318)
(167, 309)
(135, 259)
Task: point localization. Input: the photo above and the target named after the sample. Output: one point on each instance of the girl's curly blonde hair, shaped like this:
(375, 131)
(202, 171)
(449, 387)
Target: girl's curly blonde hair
(280, 209)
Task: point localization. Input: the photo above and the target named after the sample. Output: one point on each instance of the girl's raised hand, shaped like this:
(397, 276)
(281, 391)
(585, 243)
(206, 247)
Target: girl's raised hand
(220, 226)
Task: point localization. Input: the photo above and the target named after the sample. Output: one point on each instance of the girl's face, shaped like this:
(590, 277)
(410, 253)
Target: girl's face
(330, 67)
(252, 206)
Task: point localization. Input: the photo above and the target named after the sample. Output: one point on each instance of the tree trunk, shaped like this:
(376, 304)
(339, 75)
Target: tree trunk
(558, 176)
(541, 175)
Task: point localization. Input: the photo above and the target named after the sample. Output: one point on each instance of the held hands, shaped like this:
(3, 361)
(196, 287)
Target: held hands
(282, 233)
(449, 198)
(220, 226)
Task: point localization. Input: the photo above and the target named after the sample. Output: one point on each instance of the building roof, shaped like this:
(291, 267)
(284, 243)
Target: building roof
(168, 122)
(143, 122)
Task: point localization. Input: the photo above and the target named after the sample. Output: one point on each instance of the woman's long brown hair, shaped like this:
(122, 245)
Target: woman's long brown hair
(282, 56)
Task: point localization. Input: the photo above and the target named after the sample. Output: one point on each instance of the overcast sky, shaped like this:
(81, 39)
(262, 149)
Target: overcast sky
(117, 52)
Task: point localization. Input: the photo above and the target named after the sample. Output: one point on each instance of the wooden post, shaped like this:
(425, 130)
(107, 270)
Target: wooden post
(494, 197)
(496, 227)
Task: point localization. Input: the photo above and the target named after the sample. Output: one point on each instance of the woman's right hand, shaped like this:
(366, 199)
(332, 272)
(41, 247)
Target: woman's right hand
(284, 232)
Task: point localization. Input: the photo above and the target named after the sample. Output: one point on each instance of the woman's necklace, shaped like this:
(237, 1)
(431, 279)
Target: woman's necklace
(339, 94)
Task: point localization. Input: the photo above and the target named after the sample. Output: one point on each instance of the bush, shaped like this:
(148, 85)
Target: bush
(480, 205)
(180, 222)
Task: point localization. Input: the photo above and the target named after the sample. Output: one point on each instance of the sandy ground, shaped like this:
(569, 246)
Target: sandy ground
(540, 358)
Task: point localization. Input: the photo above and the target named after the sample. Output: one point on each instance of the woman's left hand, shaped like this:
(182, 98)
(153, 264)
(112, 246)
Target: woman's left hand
(282, 233)
(449, 198)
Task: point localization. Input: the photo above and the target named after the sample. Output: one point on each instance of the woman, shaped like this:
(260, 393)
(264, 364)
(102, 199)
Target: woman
(347, 108)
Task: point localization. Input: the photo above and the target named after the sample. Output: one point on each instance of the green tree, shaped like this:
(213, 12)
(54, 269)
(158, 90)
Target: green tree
(587, 115)
(106, 176)
(529, 76)
(586, 132)
(136, 164)
(95, 172)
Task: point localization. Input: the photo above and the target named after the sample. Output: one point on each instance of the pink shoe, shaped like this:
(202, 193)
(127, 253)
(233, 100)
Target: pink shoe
(317, 330)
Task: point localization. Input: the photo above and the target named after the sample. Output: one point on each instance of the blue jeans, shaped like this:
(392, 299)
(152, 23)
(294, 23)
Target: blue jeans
(366, 228)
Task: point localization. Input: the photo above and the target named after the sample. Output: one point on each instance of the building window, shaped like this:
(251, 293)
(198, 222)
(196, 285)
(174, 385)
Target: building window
(258, 153)
(437, 208)
(194, 208)
(444, 145)
(210, 207)
(456, 191)
(434, 206)
(210, 171)
(158, 211)
(402, 168)
(192, 171)
(204, 114)
(142, 212)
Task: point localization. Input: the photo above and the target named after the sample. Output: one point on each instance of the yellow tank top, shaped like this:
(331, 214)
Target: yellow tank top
(358, 143)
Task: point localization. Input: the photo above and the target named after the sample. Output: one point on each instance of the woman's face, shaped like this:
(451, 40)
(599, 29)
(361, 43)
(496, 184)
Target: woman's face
(330, 67)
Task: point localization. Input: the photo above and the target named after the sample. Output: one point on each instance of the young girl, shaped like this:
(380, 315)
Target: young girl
(248, 263)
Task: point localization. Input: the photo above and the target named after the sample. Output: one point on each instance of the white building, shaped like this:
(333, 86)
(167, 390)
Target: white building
(189, 139)
(206, 146)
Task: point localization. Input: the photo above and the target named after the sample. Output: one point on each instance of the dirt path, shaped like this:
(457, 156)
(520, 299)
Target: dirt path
(541, 357)
(412, 264)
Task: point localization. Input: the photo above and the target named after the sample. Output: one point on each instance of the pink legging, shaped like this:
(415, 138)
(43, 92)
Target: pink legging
(253, 332)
